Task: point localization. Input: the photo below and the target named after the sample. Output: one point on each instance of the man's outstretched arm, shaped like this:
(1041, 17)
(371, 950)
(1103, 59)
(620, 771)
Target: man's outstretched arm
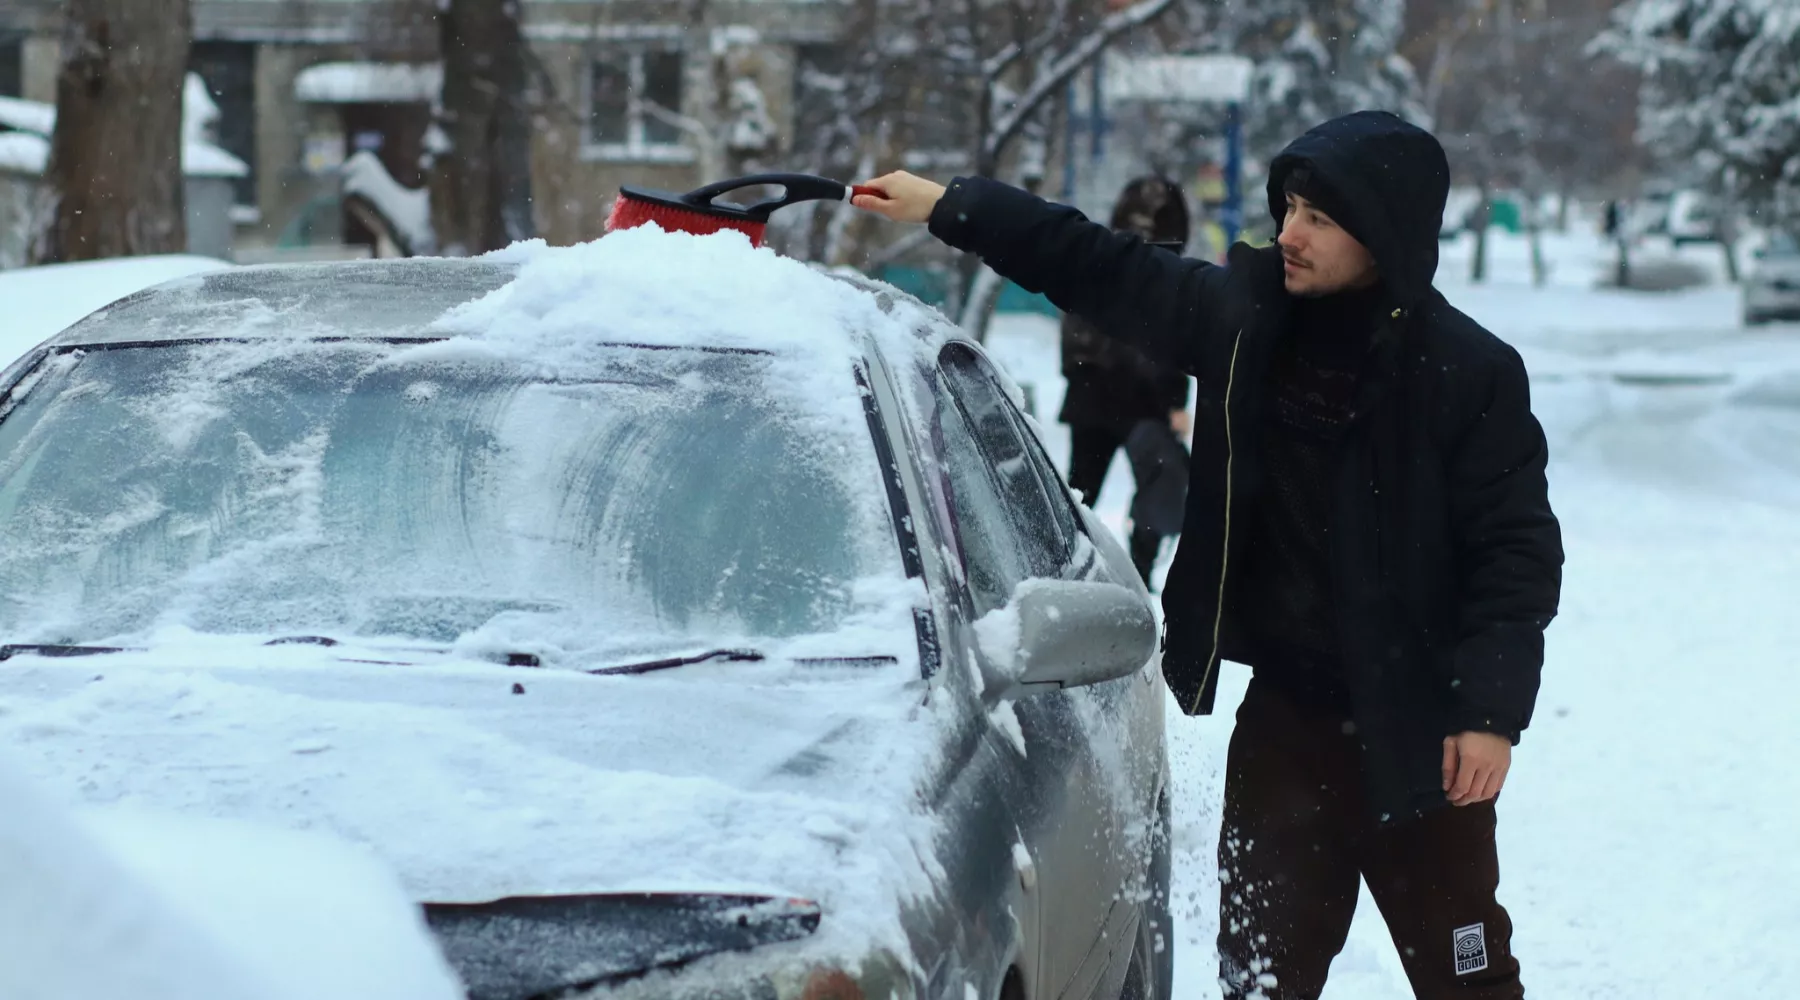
(1149, 297)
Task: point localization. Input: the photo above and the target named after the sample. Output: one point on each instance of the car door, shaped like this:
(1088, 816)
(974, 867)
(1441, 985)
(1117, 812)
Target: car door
(1076, 828)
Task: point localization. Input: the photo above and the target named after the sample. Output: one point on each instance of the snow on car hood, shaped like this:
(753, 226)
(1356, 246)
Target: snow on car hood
(768, 778)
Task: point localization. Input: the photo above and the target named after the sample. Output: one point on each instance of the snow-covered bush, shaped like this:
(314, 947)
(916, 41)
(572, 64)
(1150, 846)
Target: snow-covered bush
(1721, 92)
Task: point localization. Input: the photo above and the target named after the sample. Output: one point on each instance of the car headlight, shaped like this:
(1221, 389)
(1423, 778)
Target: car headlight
(878, 977)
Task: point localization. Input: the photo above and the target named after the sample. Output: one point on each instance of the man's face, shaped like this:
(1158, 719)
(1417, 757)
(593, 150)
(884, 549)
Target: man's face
(1319, 257)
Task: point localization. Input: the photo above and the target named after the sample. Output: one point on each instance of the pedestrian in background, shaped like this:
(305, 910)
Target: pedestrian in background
(1113, 386)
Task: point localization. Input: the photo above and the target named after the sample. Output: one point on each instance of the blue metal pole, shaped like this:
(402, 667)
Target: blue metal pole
(1096, 117)
(1069, 129)
(1231, 214)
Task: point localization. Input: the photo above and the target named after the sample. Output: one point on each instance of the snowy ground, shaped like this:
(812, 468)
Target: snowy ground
(1648, 827)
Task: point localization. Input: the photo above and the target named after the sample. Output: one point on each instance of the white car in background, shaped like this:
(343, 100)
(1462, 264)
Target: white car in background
(1693, 218)
(1772, 288)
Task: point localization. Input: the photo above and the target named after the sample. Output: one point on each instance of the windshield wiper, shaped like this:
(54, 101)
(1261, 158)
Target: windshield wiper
(649, 666)
(11, 650)
(511, 659)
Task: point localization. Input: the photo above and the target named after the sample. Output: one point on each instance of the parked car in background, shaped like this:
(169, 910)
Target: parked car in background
(1693, 218)
(1648, 215)
(1772, 288)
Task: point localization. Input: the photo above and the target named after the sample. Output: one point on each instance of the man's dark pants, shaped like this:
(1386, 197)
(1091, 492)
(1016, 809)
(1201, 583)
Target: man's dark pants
(1296, 835)
(1091, 451)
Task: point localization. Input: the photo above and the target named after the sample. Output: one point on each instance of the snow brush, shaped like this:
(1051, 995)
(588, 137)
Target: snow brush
(700, 212)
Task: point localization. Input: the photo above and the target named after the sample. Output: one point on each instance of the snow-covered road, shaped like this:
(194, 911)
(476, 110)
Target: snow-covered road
(1649, 830)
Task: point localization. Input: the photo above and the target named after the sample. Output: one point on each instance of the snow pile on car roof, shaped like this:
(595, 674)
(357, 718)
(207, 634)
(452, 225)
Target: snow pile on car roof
(670, 289)
(644, 286)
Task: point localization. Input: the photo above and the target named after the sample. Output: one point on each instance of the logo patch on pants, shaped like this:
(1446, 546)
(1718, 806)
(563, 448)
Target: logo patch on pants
(1470, 944)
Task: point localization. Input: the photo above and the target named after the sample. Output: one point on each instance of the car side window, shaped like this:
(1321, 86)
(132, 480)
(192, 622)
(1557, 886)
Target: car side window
(1062, 504)
(1009, 526)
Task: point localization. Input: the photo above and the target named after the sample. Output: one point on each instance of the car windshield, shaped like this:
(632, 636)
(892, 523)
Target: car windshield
(662, 499)
(1784, 245)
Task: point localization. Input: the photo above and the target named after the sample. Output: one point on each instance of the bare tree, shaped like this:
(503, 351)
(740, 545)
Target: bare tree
(1520, 103)
(1316, 59)
(114, 174)
(482, 181)
(972, 82)
(1018, 64)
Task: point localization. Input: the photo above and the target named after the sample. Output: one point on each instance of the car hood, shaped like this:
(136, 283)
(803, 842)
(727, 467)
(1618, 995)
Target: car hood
(478, 782)
(542, 946)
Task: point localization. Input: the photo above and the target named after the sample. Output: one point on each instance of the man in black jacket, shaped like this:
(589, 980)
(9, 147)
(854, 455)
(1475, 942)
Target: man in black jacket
(1368, 527)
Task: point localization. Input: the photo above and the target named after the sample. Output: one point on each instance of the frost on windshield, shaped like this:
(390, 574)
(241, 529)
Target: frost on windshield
(640, 502)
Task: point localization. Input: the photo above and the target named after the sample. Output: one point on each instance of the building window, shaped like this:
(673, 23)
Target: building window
(229, 71)
(634, 106)
(12, 66)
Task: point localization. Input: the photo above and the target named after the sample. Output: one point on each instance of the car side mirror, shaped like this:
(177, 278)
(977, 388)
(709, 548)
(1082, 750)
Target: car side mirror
(1066, 633)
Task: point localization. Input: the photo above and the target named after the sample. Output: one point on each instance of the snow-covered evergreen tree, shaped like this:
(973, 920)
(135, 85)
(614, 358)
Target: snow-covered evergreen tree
(1320, 58)
(1721, 91)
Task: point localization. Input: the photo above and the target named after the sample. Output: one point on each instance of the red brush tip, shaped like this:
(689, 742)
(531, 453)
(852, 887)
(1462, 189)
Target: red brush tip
(629, 213)
(857, 190)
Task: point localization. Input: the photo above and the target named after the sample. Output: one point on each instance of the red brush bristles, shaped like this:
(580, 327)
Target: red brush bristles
(628, 213)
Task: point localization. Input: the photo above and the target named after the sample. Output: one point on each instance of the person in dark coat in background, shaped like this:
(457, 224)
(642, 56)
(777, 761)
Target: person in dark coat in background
(1368, 527)
(1112, 386)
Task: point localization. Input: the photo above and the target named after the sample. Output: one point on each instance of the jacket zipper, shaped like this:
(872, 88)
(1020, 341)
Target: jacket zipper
(1212, 660)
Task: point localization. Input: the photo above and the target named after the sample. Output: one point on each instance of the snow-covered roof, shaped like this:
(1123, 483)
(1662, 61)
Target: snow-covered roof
(27, 153)
(1177, 77)
(199, 112)
(26, 149)
(407, 209)
(642, 285)
(369, 82)
(203, 159)
(27, 116)
(23, 153)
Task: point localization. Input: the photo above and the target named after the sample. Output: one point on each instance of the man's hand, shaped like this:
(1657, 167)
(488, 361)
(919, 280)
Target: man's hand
(1181, 423)
(1475, 766)
(903, 198)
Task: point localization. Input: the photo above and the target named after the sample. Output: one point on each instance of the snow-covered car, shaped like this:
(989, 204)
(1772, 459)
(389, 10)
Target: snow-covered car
(675, 619)
(1649, 215)
(1693, 218)
(1772, 288)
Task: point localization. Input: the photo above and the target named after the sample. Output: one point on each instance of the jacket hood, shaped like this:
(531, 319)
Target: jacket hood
(1392, 176)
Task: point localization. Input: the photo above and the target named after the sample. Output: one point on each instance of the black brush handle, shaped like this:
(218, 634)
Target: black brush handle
(798, 188)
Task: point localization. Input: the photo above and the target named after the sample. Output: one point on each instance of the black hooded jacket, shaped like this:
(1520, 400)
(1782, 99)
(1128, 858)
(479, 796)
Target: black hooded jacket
(1446, 558)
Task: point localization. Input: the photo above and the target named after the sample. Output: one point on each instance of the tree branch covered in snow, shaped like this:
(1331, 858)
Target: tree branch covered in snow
(1721, 92)
(1516, 97)
(1063, 68)
(1315, 61)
